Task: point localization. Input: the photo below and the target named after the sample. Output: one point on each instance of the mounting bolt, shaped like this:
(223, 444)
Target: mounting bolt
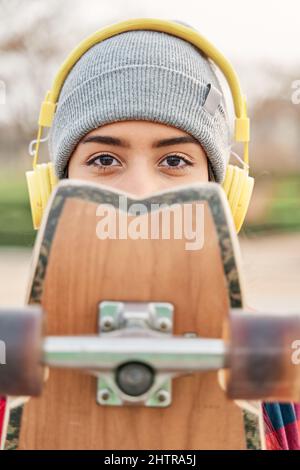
(164, 324)
(107, 323)
(104, 394)
(163, 396)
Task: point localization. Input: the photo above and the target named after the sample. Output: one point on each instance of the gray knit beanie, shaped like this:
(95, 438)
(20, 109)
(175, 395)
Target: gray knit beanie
(142, 75)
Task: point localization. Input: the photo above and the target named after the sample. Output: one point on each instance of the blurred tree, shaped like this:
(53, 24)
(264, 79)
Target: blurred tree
(29, 45)
(34, 40)
(276, 134)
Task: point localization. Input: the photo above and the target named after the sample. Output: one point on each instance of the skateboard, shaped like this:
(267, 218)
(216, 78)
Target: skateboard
(135, 333)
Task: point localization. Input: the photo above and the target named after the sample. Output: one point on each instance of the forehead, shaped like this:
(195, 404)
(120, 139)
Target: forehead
(133, 126)
(136, 133)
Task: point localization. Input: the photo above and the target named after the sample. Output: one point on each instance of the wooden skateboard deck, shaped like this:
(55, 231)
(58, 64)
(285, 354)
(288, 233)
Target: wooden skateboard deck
(73, 270)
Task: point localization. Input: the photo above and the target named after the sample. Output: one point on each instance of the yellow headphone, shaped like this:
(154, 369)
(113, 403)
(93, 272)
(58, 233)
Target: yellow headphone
(238, 185)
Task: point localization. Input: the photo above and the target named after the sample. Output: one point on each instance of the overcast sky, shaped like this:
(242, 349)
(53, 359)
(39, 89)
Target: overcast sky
(244, 30)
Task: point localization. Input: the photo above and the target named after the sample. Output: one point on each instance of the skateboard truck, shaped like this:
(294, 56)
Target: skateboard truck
(135, 356)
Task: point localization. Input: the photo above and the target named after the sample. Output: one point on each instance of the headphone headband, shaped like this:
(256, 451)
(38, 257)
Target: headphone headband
(241, 132)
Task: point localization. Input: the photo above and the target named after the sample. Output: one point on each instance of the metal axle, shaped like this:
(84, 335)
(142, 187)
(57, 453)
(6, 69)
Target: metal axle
(165, 354)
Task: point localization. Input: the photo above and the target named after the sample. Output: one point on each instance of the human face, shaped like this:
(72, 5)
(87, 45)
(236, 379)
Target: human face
(139, 157)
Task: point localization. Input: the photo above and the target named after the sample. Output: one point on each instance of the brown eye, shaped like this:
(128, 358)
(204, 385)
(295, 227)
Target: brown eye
(103, 160)
(175, 161)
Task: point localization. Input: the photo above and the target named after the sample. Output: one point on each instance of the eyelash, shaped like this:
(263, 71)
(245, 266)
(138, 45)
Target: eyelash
(186, 161)
(91, 162)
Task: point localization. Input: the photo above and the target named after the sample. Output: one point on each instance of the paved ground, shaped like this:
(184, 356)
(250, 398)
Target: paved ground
(271, 272)
(14, 268)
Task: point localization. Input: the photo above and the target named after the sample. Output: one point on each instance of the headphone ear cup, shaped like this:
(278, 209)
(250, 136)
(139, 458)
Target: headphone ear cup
(238, 187)
(230, 185)
(228, 179)
(34, 198)
(44, 183)
(40, 181)
(52, 175)
(244, 202)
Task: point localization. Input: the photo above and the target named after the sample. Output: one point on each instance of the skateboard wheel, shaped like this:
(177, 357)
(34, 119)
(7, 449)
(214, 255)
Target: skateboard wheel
(21, 372)
(261, 356)
(134, 378)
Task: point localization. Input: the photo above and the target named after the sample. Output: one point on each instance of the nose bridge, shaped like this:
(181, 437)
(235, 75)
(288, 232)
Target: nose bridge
(141, 177)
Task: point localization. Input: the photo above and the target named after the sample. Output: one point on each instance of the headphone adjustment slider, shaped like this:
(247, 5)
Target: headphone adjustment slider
(242, 129)
(47, 112)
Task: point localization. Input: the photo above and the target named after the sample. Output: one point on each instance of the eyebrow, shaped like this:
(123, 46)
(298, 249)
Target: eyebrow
(109, 140)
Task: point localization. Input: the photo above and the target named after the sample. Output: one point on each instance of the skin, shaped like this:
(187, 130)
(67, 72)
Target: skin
(139, 166)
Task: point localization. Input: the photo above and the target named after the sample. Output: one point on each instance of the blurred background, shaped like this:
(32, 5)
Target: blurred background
(261, 39)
